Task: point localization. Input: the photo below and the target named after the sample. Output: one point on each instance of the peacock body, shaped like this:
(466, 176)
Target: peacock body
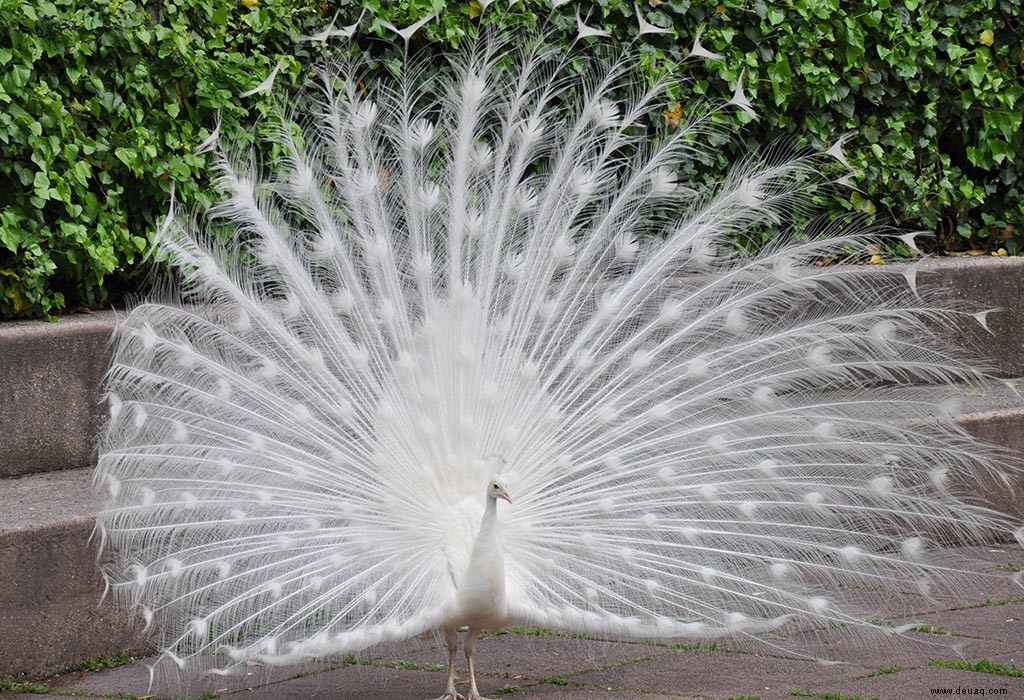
(449, 294)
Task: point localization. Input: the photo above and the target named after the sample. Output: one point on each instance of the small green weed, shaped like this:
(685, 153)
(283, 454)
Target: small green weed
(989, 603)
(532, 632)
(884, 670)
(699, 646)
(979, 666)
(934, 629)
(413, 666)
(1010, 566)
(801, 693)
(101, 663)
(9, 685)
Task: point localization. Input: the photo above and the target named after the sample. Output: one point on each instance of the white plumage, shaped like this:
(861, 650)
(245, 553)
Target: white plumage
(448, 280)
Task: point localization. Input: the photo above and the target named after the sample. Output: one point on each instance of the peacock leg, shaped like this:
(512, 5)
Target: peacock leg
(470, 642)
(452, 640)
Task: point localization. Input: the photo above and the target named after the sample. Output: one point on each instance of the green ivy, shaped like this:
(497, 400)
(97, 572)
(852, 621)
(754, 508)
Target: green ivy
(928, 92)
(103, 103)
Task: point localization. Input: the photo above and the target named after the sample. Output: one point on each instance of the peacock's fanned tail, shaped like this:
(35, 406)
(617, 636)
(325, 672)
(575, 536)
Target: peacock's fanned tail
(448, 278)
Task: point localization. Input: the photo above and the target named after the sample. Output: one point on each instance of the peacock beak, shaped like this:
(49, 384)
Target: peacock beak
(506, 496)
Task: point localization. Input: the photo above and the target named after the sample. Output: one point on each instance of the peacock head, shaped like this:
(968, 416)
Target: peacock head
(497, 488)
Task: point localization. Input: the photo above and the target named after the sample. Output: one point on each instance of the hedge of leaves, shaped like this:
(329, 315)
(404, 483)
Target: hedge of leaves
(103, 103)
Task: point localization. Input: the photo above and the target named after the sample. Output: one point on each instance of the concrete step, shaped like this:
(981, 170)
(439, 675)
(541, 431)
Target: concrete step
(50, 611)
(51, 616)
(51, 372)
(989, 283)
(966, 626)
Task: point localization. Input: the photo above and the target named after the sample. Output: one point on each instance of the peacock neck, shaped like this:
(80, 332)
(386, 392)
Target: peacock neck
(481, 591)
(490, 513)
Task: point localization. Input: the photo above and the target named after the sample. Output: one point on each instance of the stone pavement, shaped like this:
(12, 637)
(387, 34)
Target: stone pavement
(971, 643)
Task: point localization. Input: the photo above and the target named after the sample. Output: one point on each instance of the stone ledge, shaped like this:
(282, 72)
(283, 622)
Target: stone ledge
(990, 283)
(51, 374)
(52, 371)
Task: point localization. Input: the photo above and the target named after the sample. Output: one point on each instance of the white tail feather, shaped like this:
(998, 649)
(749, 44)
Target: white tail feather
(698, 442)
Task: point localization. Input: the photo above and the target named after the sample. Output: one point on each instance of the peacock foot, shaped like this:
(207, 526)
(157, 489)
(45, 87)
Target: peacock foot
(452, 695)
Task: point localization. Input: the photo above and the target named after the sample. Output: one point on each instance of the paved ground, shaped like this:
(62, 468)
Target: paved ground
(970, 644)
